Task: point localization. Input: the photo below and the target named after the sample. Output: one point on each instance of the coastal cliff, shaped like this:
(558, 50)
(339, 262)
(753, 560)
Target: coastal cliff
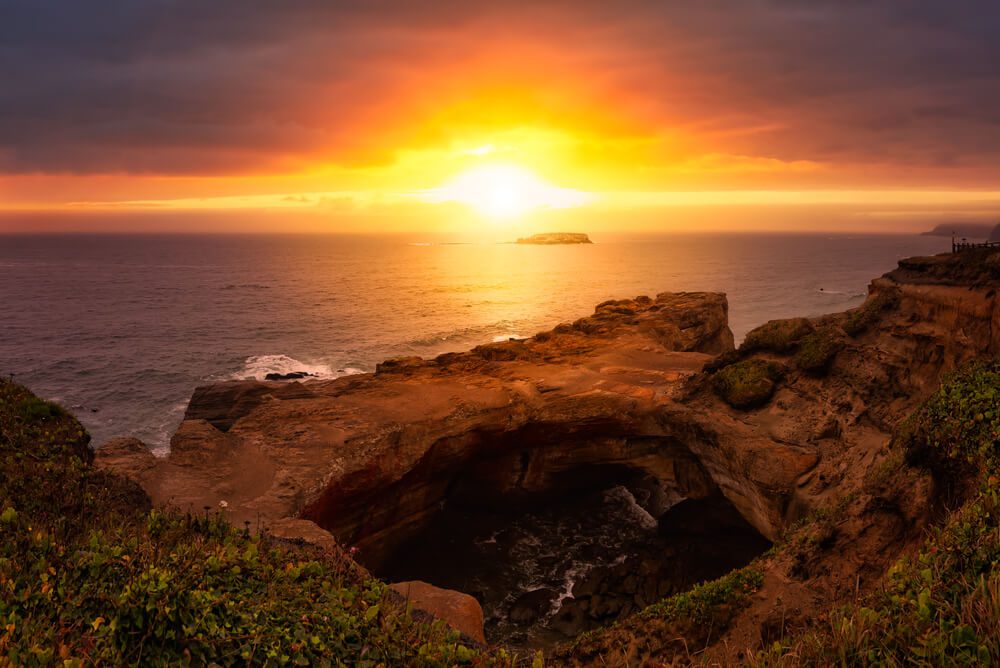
(831, 437)
(371, 457)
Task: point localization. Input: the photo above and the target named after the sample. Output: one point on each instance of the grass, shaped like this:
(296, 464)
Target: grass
(90, 575)
(747, 384)
(941, 605)
(670, 629)
(704, 602)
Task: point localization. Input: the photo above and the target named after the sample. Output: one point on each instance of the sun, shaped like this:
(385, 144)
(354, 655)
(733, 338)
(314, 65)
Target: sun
(505, 192)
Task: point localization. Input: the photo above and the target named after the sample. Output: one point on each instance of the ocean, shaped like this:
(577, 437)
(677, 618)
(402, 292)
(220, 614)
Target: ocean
(120, 329)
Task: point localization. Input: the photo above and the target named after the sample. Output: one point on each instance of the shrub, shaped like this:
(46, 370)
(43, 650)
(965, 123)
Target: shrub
(817, 350)
(747, 384)
(90, 576)
(699, 604)
(777, 336)
(35, 409)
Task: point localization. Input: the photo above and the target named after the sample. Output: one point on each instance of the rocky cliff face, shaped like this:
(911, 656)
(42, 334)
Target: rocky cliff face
(372, 457)
(620, 395)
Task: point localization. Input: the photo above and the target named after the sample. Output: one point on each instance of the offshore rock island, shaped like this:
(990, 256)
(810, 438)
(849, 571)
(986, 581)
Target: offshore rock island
(555, 238)
(826, 439)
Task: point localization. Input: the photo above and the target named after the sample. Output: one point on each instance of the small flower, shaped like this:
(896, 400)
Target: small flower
(353, 551)
(223, 504)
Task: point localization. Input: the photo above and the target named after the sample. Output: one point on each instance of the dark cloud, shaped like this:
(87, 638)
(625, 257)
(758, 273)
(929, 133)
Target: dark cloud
(195, 86)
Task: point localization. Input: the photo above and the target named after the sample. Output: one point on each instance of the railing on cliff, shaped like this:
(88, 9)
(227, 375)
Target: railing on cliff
(963, 245)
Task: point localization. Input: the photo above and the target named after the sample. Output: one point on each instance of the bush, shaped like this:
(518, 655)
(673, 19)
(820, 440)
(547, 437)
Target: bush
(89, 575)
(747, 384)
(776, 336)
(817, 350)
(35, 409)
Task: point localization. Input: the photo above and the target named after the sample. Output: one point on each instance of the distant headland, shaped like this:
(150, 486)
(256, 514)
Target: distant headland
(552, 238)
(970, 230)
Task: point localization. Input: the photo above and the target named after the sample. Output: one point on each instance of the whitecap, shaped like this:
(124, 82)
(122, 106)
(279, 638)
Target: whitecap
(258, 366)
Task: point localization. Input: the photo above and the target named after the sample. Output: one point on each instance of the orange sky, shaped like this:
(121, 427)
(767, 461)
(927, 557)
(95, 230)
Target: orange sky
(344, 116)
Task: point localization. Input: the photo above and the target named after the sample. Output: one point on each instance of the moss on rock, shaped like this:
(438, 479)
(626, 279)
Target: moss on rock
(817, 350)
(777, 336)
(747, 384)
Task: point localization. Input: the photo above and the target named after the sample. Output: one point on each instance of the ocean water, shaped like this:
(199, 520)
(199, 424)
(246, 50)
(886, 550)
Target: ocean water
(122, 328)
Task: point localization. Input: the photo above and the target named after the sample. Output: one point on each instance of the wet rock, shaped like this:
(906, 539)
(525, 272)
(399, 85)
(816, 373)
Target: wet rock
(571, 619)
(532, 605)
(292, 375)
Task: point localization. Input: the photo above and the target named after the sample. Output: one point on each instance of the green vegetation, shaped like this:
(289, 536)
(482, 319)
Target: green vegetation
(776, 336)
(706, 601)
(747, 384)
(671, 628)
(868, 314)
(817, 350)
(90, 576)
(33, 410)
(940, 606)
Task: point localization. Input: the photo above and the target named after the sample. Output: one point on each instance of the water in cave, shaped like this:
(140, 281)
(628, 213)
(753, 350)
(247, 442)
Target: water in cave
(558, 567)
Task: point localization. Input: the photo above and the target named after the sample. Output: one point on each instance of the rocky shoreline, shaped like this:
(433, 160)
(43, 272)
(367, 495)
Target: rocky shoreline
(631, 393)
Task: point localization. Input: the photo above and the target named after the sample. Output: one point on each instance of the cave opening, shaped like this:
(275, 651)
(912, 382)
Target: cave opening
(596, 544)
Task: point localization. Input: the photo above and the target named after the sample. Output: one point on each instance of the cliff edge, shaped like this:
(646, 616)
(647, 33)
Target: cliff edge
(803, 431)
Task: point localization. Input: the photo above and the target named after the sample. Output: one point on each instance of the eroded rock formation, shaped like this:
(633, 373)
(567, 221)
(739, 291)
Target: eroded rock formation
(372, 458)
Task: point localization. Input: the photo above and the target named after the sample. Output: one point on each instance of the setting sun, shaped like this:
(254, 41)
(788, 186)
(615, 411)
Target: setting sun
(505, 191)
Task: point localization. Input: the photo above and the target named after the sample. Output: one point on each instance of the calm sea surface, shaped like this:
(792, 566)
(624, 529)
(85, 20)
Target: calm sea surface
(122, 328)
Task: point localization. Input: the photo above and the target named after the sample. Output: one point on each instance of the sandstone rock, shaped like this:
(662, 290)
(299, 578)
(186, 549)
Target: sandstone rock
(127, 456)
(304, 530)
(222, 404)
(371, 458)
(459, 610)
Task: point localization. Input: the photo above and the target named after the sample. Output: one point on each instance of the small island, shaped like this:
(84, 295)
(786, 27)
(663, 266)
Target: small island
(553, 238)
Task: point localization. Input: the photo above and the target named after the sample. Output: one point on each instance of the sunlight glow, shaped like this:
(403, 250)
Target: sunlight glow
(505, 192)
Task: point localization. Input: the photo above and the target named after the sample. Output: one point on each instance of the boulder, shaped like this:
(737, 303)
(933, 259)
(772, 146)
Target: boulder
(292, 375)
(460, 611)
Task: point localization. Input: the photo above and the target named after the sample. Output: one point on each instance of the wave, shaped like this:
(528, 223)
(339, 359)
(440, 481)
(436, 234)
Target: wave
(839, 293)
(258, 366)
(499, 338)
(467, 336)
(246, 286)
(159, 444)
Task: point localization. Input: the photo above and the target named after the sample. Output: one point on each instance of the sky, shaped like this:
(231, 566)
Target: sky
(314, 115)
